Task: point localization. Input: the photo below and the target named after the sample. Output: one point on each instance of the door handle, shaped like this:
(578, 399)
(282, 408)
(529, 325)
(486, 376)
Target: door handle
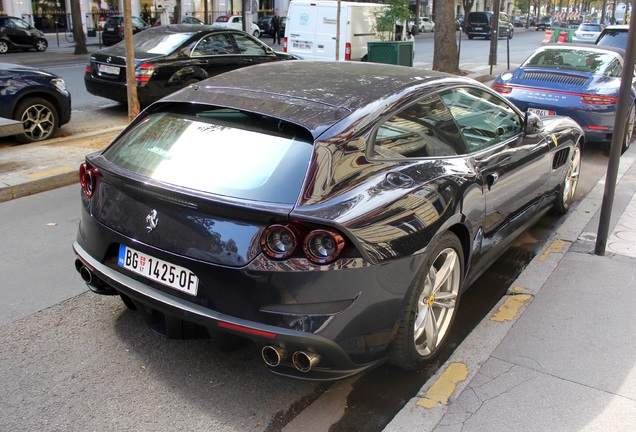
(491, 179)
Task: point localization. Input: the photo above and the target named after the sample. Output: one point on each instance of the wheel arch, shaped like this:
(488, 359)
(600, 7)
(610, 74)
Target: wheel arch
(42, 95)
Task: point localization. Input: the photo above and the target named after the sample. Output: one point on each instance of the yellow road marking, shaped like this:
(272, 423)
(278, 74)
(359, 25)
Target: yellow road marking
(42, 174)
(555, 247)
(444, 386)
(509, 309)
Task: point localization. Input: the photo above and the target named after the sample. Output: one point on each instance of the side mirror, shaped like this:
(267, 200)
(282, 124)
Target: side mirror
(532, 124)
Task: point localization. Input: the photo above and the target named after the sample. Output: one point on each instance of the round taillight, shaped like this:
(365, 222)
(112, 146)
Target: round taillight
(322, 246)
(279, 241)
(88, 179)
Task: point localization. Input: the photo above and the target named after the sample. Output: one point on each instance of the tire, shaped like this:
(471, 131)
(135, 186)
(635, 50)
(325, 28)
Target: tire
(470, 37)
(432, 306)
(256, 33)
(629, 130)
(4, 47)
(565, 198)
(41, 45)
(39, 118)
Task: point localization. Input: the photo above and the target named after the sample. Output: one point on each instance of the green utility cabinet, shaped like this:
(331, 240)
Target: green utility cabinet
(391, 52)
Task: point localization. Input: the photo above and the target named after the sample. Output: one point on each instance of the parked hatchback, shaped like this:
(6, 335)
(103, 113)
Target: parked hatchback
(168, 58)
(587, 33)
(17, 34)
(114, 28)
(479, 24)
(236, 22)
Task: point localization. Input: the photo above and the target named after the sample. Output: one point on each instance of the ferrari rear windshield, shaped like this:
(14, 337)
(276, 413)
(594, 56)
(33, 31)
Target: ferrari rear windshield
(218, 151)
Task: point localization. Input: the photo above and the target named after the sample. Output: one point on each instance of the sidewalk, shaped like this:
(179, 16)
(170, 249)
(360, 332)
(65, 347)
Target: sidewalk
(556, 354)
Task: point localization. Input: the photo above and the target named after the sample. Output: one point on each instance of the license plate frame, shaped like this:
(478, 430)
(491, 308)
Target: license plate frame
(541, 112)
(158, 270)
(302, 45)
(108, 69)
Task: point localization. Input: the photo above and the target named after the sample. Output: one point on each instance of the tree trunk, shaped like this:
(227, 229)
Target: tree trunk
(445, 50)
(131, 82)
(78, 30)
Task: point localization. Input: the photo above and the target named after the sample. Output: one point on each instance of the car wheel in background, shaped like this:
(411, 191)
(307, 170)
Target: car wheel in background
(571, 181)
(629, 130)
(41, 45)
(431, 310)
(256, 34)
(4, 47)
(39, 118)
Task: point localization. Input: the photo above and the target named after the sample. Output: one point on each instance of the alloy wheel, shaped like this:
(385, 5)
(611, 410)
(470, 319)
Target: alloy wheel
(436, 303)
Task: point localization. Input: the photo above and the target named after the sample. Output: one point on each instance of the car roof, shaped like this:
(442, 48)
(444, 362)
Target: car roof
(624, 27)
(315, 95)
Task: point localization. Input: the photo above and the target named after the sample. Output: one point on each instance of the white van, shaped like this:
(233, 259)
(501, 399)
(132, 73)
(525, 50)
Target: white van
(310, 31)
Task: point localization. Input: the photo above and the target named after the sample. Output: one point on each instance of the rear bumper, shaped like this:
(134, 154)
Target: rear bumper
(114, 90)
(172, 313)
(596, 121)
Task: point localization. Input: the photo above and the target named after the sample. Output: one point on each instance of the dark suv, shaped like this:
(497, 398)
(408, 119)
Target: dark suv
(479, 24)
(17, 34)
(614, 36)
(114, 28)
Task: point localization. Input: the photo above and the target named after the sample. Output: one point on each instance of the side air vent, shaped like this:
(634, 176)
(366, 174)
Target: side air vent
(560, 158)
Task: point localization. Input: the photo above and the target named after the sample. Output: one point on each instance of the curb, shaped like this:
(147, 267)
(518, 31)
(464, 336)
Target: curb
(66, 154)
(425, 411)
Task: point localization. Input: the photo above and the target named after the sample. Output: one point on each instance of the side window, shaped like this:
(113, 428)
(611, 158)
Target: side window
(424, 129)
(137, 22)
(484, 119)
(614, 69)
(214, 44)
(248, 46)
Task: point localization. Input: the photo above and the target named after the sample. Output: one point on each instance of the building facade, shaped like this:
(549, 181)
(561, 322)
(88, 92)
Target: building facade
(54, 15)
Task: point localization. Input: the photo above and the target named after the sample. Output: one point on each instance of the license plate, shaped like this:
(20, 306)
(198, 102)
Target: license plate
(158, 270)
(302, 45)
(110, 28)
(479, 28)
(541, 112)
(111, 70)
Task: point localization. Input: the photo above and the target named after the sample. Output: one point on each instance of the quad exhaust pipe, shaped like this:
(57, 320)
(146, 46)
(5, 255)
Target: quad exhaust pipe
(303, 361)
(273, 355)
(94, 284)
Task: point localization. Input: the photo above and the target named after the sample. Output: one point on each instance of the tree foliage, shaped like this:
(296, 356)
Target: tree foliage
(387, 17)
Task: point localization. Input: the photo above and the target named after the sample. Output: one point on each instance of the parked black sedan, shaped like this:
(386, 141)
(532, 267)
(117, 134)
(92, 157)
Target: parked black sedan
(336, 225)
(37, 98)
(168, 58)
(114, 28)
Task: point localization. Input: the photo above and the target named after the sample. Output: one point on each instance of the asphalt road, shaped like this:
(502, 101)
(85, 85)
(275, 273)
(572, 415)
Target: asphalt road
(72, 360)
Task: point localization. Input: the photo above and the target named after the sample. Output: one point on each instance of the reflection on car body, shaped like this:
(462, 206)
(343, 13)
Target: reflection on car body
(336, 225)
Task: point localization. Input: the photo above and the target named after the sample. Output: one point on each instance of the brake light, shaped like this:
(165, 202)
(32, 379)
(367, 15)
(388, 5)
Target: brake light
(319, 245)
(348, 51)
(598, 100)
(143, 73)
(284, 44)
(502, 88)
(88, 178)
(88, 69)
